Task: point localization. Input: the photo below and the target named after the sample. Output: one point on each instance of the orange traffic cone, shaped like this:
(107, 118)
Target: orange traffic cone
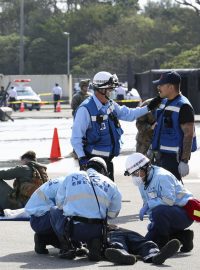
(58, 107)
(21, 107)
(55, 148)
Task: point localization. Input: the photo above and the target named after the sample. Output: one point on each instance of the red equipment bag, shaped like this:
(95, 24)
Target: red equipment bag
(193, 209)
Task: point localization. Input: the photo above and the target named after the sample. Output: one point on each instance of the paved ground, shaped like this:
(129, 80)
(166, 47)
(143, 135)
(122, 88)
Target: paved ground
(16, 238)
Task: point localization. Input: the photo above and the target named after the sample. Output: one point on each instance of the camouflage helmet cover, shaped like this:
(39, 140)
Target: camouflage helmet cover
(84, 82)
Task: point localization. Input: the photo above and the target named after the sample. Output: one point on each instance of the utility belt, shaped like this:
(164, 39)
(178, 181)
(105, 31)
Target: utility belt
(88, 220)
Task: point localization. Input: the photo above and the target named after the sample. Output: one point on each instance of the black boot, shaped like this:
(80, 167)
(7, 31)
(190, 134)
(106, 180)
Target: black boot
(166, 252)
(67, 254)
(186, 238)
(40, 244)
(94, 247)
(53, 240)
(120, 256)
(67, 250)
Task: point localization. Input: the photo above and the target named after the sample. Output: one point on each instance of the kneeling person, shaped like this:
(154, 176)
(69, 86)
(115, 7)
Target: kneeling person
(85, 199)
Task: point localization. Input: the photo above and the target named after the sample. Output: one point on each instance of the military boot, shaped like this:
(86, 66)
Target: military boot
(120, 256)
(40, 244)
(166, 252)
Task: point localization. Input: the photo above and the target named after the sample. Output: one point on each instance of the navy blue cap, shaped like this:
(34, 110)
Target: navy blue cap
(171, 77)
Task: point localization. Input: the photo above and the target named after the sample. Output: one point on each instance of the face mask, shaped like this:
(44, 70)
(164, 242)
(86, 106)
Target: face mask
(137, 180)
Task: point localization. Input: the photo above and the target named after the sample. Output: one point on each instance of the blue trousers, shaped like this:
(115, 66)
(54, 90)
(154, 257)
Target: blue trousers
(41, 224)
(78, 231)
(133, 243)
(166, 221)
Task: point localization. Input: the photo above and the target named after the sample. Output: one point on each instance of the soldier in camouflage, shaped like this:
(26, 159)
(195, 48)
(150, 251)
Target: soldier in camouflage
(81, 95)
(145, 125)
(27, 178)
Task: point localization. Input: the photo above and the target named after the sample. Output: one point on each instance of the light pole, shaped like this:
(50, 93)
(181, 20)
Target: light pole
(21, 46)
(68, 53)
(68, 66)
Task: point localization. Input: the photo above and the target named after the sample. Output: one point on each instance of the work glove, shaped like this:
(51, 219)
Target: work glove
(154, 103)
(183, 168)
(83, 161)
(143, 211)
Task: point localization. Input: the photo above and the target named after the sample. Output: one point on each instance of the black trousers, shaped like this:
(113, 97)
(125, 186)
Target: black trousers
(168, 161)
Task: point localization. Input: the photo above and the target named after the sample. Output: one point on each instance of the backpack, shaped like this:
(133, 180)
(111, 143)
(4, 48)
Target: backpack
(39, 177)
(39, 174)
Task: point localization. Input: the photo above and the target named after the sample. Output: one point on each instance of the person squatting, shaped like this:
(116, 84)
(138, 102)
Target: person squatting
(70, 213)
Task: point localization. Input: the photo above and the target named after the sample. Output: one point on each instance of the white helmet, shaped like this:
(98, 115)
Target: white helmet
(103, 80)
(98, 162)
(135, 162)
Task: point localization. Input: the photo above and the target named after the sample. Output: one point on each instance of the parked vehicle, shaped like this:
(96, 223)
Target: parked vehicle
(26, 95)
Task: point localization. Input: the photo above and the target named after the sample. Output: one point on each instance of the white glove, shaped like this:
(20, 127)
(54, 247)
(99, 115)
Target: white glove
(183, 168)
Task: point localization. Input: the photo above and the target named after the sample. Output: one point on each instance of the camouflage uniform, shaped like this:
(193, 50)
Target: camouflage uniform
(145, 131)
(27, 178)
(80, 96)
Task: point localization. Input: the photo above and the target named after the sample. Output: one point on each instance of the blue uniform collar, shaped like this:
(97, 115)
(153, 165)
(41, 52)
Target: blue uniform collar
(99, 104)
(150, 176)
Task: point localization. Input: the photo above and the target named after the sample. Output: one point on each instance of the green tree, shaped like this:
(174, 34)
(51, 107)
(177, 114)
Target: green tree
(195, 5)
(186, 59)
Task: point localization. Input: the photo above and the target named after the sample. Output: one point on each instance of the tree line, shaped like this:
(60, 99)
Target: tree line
(115, 35)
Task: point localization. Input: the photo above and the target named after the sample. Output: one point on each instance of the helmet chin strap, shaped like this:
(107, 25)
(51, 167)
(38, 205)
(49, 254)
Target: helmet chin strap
(103, 94)
(146, 169)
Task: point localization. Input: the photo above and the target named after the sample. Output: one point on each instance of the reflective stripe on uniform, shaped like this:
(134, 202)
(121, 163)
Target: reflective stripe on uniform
(112, 214)
(81, 196)
(94, 118)
(169, 148)
(181, 194)
(100, 153)
(172, 108)
(41, 195)
(168, 201)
